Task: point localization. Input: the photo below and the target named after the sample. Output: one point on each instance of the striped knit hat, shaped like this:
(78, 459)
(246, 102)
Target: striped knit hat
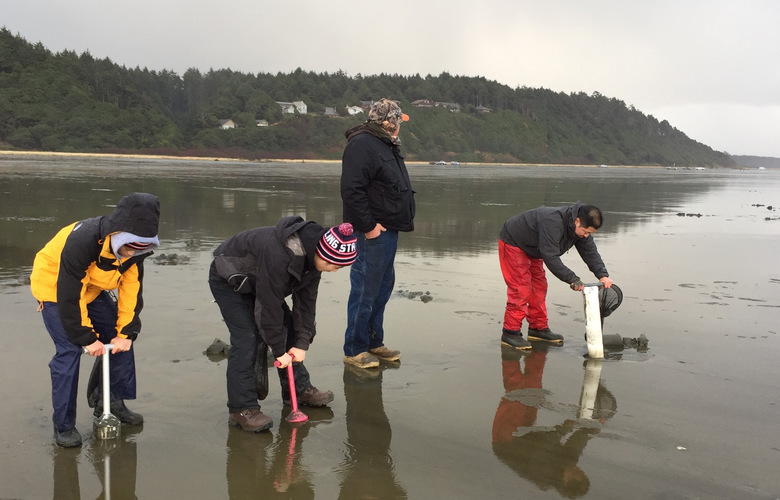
(337, 245)
(138, 245)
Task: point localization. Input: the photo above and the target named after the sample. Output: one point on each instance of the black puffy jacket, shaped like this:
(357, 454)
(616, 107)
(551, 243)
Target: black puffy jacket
(273, 262)
(375, 185)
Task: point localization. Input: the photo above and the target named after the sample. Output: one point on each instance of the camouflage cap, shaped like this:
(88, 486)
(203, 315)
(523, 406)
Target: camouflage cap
(385, 109)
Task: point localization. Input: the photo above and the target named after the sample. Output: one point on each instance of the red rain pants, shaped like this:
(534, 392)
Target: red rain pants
(526, 288)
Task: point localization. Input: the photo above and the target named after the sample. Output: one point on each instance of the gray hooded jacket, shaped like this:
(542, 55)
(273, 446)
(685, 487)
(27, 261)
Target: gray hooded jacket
(547, 233)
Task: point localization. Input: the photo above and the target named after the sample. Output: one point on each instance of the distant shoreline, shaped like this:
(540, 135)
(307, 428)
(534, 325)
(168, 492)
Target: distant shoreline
(281, 160)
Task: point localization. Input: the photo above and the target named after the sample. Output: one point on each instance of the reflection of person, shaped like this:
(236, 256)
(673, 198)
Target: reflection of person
(256, 468)
(251, 275)
(546, 456)
(120, 456)
(379, 202)
(368, 470)
(71, 279)
(535, 238)
(66, 474)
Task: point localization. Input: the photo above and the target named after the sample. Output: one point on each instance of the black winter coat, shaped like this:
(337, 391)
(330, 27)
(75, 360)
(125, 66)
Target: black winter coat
(272, 263)
(375, 185)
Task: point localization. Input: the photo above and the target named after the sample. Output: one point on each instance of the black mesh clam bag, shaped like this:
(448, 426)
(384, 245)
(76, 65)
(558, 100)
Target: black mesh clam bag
(609, 300)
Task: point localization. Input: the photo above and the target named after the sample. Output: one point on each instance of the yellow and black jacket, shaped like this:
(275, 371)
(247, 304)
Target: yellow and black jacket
(78, 264)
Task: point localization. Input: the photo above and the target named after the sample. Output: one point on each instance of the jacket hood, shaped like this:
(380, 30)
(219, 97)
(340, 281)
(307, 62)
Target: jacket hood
(571, 214)
(369, 128)
(136, 213)
(308, 231)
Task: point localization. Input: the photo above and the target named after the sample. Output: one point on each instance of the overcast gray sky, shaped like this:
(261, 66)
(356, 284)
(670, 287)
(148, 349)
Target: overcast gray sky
(709, 67)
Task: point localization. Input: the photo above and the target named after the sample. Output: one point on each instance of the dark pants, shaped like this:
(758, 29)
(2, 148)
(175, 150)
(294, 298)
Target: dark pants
(64, 366)
(238, 311)
(372, 278)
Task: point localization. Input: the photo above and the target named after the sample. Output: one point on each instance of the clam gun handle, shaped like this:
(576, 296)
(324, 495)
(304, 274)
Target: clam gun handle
(598, 283)
(107, 346)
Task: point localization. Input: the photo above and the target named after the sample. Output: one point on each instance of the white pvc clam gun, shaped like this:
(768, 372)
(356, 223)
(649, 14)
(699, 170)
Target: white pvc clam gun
(593, 333)
(107, 426)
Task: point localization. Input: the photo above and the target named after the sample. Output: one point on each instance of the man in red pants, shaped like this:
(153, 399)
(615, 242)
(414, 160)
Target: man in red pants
(535, 238)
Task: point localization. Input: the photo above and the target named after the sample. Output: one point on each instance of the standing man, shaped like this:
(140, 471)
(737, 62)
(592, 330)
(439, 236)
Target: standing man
(529, 241)
(71, 279)
(379, 202)
(251, 275)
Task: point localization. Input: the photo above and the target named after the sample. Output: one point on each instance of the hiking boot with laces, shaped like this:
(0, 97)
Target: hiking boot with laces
(385, 354)
(311, 397)
(251, 420)
(362, 360)
(515, 340)
(545, 334)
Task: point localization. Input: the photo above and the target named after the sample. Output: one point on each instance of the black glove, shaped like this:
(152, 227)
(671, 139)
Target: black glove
(577, 282)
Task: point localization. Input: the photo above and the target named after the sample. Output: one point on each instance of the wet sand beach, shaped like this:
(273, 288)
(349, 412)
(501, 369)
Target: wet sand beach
(693, 416)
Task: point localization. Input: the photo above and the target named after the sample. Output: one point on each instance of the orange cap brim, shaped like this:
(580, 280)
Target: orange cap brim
(404, 117)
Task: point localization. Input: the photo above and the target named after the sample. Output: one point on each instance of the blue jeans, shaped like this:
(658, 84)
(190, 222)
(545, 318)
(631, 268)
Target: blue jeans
(372, 278)
(64, 366)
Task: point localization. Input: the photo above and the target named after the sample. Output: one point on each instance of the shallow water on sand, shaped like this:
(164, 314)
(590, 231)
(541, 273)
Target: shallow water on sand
(694, 416)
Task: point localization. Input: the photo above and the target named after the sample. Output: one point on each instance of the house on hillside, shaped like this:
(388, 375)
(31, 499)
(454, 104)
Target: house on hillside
(452, 106)
(330, 111)
(227, 124)
(292, 107)
(353, 110)
(261, 123)
(483, 109)
(423, 103)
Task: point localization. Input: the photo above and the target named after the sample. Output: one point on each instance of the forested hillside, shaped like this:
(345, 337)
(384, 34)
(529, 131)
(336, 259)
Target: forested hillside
(75, 103)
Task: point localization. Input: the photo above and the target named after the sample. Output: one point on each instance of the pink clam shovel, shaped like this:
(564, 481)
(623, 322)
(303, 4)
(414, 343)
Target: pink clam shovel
(295, 416)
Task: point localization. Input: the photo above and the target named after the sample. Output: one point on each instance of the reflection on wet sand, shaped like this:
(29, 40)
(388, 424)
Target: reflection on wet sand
(261, 466)
(367, 470)
(107, 455)
(66, 473)
(546, 456)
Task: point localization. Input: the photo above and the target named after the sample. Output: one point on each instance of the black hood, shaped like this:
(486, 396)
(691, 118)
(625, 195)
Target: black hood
(308, 231)
(136, 213)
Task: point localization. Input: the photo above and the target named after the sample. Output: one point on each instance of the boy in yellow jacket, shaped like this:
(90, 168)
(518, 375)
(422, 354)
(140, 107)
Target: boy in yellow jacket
(72, 278)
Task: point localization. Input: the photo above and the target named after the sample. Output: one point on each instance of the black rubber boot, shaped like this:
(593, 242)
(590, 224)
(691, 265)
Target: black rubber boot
(120, 411)
(545, 334)
(67, 439)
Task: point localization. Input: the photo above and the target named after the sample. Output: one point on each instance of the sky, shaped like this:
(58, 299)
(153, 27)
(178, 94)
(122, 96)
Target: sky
(709, 67)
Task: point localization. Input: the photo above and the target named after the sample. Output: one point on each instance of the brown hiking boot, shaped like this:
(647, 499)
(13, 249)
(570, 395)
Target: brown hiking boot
(385, 354)
(362, 360)
(313, 397)
(251, 420)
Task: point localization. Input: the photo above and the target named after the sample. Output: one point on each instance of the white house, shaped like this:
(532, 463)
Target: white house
(292, 107)
(452, 106)
(353, 110)
(226, 124)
